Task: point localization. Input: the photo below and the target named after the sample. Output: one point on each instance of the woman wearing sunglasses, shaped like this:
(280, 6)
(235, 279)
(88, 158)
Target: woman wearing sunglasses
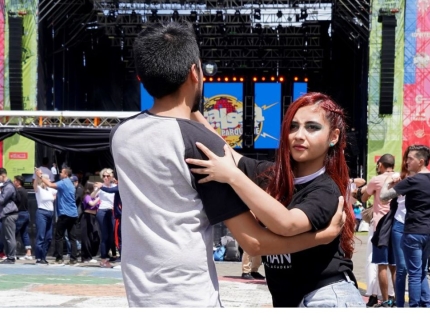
(105, 218)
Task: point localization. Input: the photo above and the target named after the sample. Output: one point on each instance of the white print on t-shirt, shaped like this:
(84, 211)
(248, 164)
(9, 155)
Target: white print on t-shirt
(281, 261)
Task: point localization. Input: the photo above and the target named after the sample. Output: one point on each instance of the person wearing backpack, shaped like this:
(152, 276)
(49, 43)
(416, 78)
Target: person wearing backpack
(8, 216)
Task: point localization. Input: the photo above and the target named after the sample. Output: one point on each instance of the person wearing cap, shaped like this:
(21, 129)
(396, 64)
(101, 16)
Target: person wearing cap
(23, 215)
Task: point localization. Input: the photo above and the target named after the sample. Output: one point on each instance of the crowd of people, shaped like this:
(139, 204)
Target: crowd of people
(62, 205)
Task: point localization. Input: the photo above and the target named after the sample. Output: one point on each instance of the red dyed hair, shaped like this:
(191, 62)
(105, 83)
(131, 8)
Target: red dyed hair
(281, 181)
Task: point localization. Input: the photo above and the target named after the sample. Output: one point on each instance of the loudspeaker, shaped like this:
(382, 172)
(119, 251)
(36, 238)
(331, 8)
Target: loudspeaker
(248, 122)
(15, 63)
(388, 47)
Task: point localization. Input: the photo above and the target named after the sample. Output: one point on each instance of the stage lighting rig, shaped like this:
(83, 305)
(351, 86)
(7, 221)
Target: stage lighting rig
(175, 15)
(210, 69)
(257, 14)
(279, 14)
(193, 16)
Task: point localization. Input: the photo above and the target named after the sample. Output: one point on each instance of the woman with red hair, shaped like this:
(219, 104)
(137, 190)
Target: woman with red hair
(302, 189)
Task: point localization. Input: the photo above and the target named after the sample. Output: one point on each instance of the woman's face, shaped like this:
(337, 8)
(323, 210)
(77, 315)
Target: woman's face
(310, 137)
(107, 177)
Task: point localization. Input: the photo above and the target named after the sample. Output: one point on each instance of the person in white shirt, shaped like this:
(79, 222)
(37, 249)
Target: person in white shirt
(45, 197)
(105, 218)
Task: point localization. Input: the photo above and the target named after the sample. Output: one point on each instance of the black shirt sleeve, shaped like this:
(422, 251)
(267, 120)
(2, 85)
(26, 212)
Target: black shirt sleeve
(404, 186)
(219, 199)
(256, 170)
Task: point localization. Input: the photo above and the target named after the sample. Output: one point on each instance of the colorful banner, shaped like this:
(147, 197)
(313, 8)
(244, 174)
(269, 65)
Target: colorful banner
(385, 132)
(19, 152)
(416, 113)
(223, 109)
(267, 115)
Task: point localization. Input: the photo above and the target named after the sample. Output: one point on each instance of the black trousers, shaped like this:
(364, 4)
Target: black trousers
(90, 236)
(65, 223)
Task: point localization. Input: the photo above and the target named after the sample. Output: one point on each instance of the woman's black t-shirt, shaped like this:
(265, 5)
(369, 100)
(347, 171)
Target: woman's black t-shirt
(291, 276)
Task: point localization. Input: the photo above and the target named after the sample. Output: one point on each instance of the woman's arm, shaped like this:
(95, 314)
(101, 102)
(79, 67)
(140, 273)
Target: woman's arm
(256, 240)
(92, 203)
(268, 210)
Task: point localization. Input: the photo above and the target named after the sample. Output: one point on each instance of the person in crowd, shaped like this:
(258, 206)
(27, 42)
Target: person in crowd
(117, 210)
(396, 238)
(166, 216)
(416, 234)
(383, 257)
(67, 213)
(45, 198)
(358, 207)
(45, 169)
(8, 216)
(79, 194)
(309, 166)
(23, 215)
(105, 218)
(54, 171)
(250, 266)
(89, 228)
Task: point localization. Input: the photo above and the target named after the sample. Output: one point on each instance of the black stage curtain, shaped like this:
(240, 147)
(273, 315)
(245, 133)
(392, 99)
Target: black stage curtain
(65, 139)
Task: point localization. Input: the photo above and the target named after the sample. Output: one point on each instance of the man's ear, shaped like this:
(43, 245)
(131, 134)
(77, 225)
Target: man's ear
(194, 73)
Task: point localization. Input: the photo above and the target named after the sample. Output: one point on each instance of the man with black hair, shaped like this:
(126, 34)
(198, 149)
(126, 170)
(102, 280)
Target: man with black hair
(416, 234)
(9, 216)
(67, 213)
(167, 217)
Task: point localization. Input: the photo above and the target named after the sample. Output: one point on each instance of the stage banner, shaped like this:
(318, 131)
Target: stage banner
(19, 152)
(223, 109)
(2, 65)
(416, 113)
(267, 115)
(385, 131)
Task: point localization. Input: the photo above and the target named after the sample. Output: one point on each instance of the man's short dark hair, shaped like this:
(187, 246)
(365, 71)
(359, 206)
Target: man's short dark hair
(422, 152)
(68, 171)
(387, 161)
(3, 171)
(45, 161)
(20, 179)
(164, 54)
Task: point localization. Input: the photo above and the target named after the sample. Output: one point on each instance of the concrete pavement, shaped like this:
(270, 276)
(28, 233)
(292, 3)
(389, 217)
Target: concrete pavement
(28, 285)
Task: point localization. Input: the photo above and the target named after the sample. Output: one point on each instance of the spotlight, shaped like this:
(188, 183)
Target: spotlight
(306, 79)
(218, 79)
(211, 79)
(279, 28)
(303, 13)
(258, 28)
(241, 79)
(279, 14)
(254, 79)
(154, 16)
(281, 79)
(234, 78)
(226, 79)
(175, 15)
(204, 79)
(237, 13)
(272, 78)
(257, 14)
(289, 19)
(263, 78)
(296, 78)
(209, 69)
(193, 16)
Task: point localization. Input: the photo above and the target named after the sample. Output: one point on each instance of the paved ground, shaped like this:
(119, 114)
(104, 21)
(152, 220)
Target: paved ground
(25, 284)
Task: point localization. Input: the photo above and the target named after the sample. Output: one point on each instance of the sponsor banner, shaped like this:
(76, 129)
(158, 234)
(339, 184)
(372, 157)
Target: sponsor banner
(385, 131)
(416, 114)
(267, 106)
(15, 147)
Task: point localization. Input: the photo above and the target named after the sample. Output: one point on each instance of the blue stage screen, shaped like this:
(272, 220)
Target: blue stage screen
(223, 109)
(299, 89)
(146, 100)
(267, 104)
